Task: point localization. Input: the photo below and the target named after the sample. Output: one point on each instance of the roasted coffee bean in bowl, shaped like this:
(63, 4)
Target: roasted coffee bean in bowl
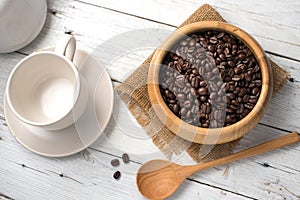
(210, 82)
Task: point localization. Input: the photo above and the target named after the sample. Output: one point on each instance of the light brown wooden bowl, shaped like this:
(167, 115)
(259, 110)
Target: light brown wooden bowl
(209, 135)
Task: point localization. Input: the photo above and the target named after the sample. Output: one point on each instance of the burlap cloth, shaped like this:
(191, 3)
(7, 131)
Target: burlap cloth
(137, 100)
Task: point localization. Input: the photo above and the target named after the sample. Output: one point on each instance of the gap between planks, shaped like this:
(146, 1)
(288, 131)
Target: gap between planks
(5, 197)
(209, 185)
(125, 13)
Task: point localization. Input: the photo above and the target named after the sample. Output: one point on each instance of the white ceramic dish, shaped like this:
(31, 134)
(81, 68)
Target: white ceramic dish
(20, 22)
(88, 127)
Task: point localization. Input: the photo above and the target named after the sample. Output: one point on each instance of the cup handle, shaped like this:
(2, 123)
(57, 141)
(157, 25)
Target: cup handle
(66, 46)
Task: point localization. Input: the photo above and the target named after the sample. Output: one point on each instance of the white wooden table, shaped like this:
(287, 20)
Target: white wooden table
(88, 174)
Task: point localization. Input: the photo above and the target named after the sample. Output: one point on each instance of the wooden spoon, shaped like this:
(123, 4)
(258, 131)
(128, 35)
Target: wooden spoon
(159, 179)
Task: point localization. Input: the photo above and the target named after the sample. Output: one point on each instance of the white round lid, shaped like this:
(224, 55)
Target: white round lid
(20, 22)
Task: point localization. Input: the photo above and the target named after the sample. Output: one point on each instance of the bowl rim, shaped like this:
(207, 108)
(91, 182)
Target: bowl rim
(209, 135)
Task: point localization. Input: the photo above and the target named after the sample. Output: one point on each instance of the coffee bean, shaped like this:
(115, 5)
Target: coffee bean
(249, 105)
(205, 125)
(172, 101)
(235, 103)
(202, 91)
(255, 91)
(231, 63)
(187, 104)
(195, 72)
(179, 68)
(241, 109)
(183, 43)
(213, 40)
(240, 99)
(228, 119)
(125, 158)
(180, 96)
(214, 87)
(231, 88)
(203, 98)
(215, 71)
(191, 49)
(251, 85)
(242, 56)
(208, 109)
(115, 162)
(246, 112)
(230, 95)
(211, 48)
(221, 93)
(203, 108)
(202, 83)
(220, 35)
(242, 92)
(238, 70)
(188, 114)
(222, 56)
(194, 109)
(193, 91)
(252, 100)
(246, 98)
(176, 109)
(257, 83)
(234, 107)
(208, 72)
(183, 111)
(213, 95)
(220, 115)
(231, 73)
(236, 78)
(117, 175)
(229, 110)
(167, 92)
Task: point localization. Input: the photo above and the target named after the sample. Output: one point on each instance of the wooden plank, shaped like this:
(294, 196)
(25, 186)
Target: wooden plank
(270, 24)
(24, 175)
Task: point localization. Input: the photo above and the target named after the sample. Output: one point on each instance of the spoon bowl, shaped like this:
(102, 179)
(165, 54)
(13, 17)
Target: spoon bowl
(158, 171)
(159, 179)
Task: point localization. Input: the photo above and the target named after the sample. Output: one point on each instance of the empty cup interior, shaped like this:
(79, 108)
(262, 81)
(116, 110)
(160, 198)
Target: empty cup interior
(43, 88)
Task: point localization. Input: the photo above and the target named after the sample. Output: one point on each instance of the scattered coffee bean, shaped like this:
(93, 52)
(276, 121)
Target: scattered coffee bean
(125, 158)
(210, 79)
(292, 80)
(115, 162)
(117, 175)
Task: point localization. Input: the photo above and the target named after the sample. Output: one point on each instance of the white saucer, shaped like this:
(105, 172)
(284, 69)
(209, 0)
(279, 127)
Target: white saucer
(20, 23)
(86, 130)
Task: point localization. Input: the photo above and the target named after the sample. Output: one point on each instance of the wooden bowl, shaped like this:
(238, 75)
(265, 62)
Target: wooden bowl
(209, 135)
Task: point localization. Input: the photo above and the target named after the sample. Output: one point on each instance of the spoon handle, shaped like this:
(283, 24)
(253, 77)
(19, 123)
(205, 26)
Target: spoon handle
(282, 141)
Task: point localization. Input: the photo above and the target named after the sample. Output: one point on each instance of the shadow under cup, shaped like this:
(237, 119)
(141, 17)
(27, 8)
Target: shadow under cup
(45, 90)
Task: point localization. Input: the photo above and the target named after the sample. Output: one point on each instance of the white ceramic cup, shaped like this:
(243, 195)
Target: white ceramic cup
(46, 90)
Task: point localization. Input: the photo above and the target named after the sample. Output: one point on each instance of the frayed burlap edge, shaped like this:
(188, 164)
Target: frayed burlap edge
(133, 91)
